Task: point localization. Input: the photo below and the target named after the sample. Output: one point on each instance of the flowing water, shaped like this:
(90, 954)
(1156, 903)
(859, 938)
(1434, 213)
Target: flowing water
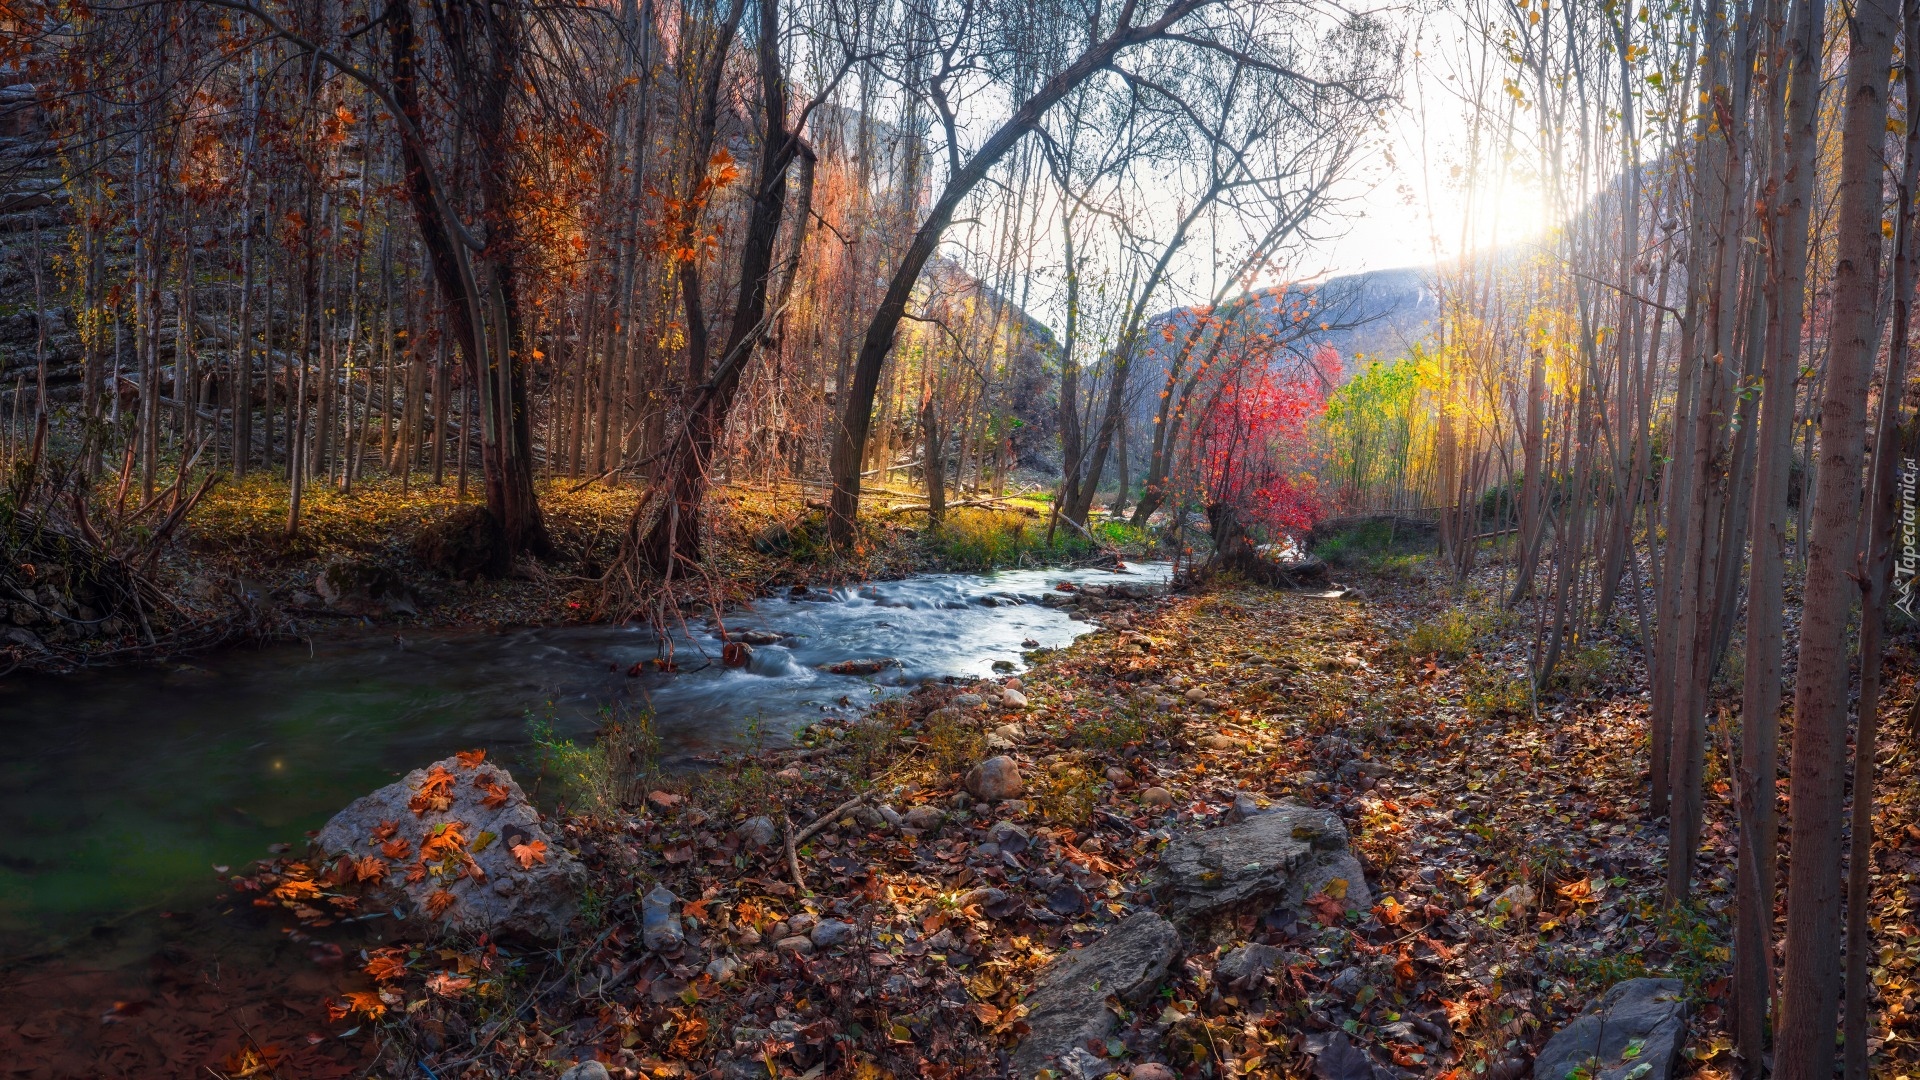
(122, 792)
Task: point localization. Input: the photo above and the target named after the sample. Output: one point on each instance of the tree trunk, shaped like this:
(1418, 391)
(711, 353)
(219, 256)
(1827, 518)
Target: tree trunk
(1760, 693)
(851, 435)
(1810, 999)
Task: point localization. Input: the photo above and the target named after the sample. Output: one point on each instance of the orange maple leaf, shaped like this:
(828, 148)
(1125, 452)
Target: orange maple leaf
(496, 795)
(447, 984)
(387, 964)
(297, 890)
(365, 1002)
(436, 791)
(468, 759)
(439, 902)
(370, 868)
(531, 852)
(385, 830)
(445, 840)
(397, 848)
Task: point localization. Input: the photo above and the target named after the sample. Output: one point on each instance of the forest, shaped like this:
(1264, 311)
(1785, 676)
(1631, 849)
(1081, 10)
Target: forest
(948, 538)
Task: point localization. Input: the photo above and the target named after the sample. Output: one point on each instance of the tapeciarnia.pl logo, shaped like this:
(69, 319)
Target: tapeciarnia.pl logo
(1906, 567)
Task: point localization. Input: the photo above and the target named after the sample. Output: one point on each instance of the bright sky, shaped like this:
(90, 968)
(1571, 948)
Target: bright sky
(1407, 189)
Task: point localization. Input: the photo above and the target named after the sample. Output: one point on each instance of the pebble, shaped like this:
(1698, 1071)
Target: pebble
(1157, 796)
(802, 923)
(721, 969)
(586, 1070)
(923, 817)
(795, 944)
(1013, 699)
(1151, 1070)
(832, 932)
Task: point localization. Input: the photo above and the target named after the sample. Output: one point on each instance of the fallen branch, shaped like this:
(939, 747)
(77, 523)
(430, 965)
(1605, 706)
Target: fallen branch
(995, 504)
(828, 818)
(793, 859)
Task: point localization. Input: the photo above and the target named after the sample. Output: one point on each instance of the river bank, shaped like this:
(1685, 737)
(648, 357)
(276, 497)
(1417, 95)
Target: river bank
(1506, 877)
(395, 554)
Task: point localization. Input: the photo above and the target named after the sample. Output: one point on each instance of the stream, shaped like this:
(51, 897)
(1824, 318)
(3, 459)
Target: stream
(126, 792)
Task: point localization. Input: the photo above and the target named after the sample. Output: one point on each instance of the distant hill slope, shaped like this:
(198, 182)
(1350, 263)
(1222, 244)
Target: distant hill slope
(1372, 316)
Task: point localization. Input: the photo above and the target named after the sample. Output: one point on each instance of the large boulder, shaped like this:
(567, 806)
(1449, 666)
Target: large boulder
(1287, 855)
(1068, 1005)
(457, 848)
(1636, 1023)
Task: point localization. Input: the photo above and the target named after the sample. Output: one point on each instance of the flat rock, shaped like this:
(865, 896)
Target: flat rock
(1286, 855)
(870, 665)
(1645, 1016)
(471, 830)
(1068, 1005)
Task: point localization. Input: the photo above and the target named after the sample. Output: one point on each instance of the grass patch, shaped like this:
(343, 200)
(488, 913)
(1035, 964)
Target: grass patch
(981, 538)
(1378, 546)
(600, 777)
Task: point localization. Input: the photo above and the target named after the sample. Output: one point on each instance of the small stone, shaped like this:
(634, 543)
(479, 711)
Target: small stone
(795, 944)
(1196, 694)
(721, 969)
(802, 923)
(1009, 837)
(890, 815)
(965, 701)
(1151, 1070)
(759, 832)
(923, 817)
(995, 779)
(1515, 900)
(1157, 796)
(1247, 963)
(1013, 699)
(1220, 742)
(1118, 775)
(831, 933)
(586, 1070)
(747, 935)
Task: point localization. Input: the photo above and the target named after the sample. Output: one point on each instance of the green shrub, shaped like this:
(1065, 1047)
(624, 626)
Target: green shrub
(605, 775)
(1450, 637)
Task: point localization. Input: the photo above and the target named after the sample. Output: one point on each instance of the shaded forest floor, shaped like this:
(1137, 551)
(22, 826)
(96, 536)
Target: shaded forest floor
(1512, 874)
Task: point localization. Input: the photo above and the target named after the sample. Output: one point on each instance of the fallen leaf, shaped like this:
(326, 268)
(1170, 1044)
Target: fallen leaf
(531, 852)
